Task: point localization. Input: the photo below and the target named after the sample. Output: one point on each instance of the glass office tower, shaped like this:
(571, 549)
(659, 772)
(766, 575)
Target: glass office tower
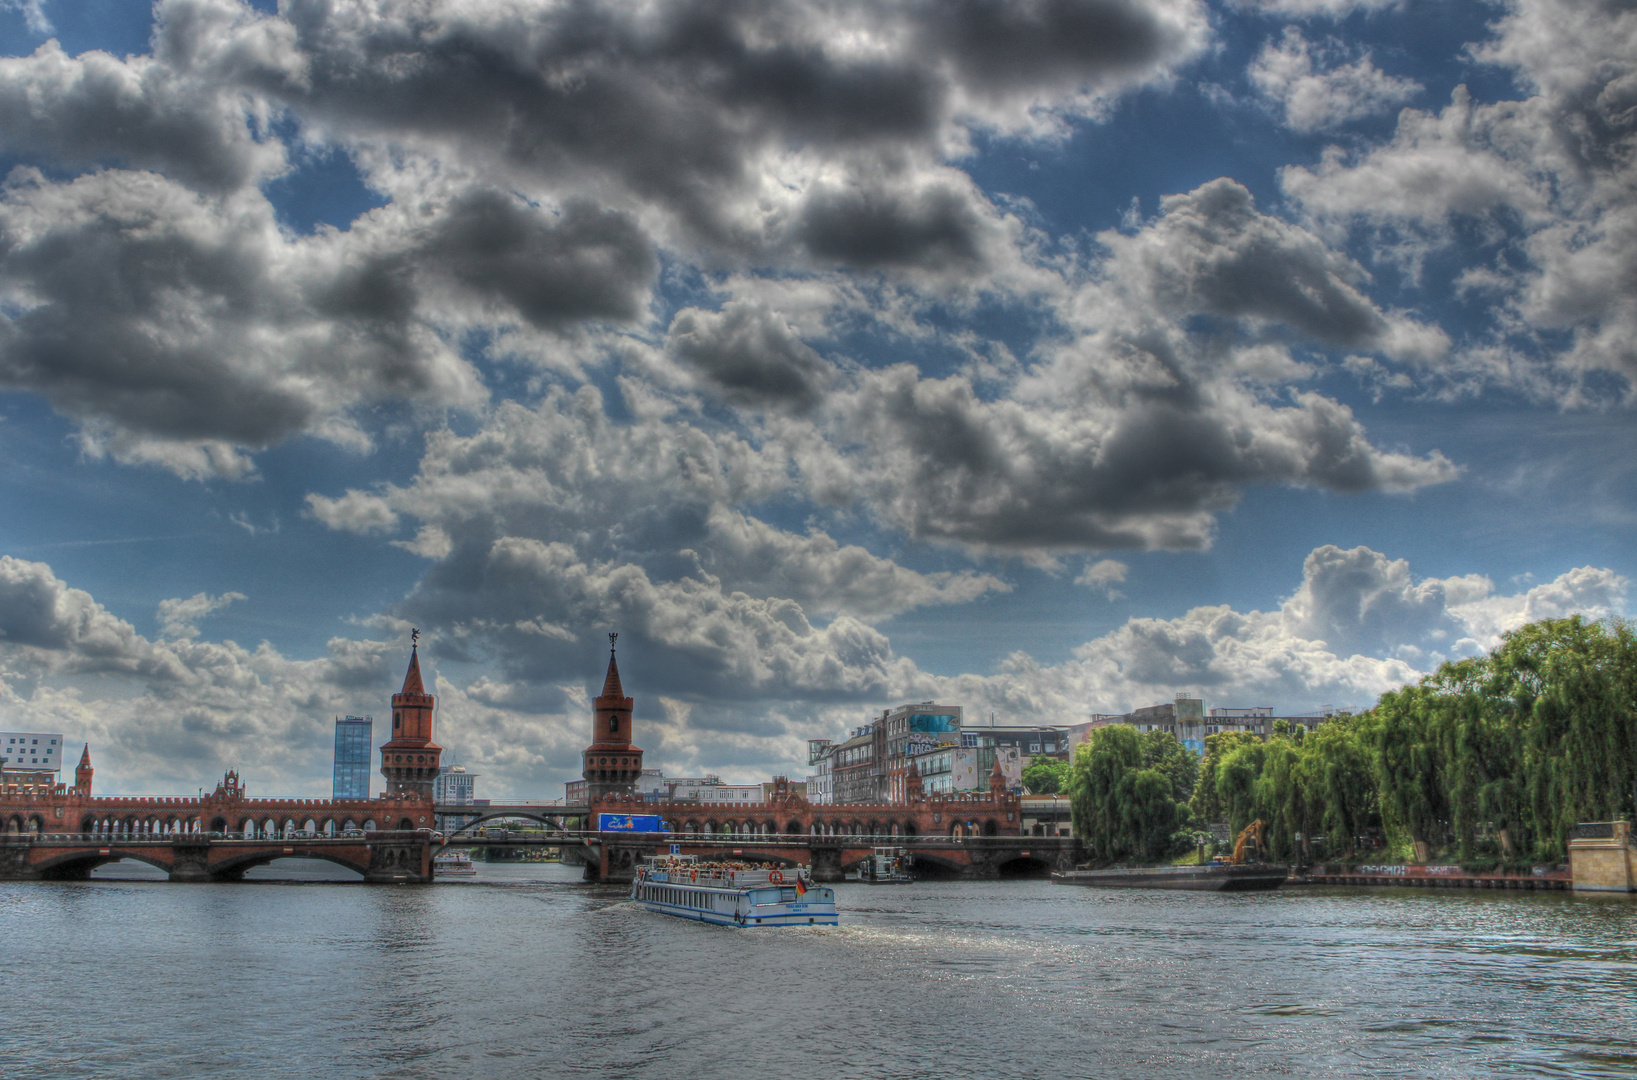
(354, 743)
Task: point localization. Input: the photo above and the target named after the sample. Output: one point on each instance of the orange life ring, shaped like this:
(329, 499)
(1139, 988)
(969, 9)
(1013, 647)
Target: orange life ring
(695, 875)
(776, 877)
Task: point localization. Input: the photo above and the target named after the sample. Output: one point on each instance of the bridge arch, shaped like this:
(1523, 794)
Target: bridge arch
(234, 866)
(555, 821)
(77, 865)
(1024, 866)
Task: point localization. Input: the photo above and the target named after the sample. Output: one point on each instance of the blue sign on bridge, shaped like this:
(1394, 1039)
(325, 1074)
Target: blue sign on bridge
(630, 823)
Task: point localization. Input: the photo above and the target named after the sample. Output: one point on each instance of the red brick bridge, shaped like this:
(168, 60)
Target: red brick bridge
(62, 831)
(381, 856)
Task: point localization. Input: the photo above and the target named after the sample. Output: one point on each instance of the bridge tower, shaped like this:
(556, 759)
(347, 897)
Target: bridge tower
(613, 763)
(409, 759)
(82, 774)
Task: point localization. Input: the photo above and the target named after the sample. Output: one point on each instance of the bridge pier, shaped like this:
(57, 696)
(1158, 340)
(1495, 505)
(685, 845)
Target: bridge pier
(826, 863)
(399, 861)
(190, 861)
(14, 860)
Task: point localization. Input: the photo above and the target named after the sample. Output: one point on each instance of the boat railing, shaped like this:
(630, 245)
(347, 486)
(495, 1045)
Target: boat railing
(726, 877)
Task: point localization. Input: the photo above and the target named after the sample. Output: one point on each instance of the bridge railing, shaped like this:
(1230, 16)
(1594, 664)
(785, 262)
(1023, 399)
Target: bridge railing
(127, 839)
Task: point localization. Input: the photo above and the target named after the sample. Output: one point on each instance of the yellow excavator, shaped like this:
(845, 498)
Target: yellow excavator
(1247, 847)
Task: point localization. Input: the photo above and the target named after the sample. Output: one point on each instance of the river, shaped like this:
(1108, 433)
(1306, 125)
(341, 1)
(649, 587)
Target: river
(526, 972)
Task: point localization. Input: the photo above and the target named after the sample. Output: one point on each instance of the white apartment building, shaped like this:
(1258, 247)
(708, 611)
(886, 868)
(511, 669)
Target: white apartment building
(32, 751)
(731, 794)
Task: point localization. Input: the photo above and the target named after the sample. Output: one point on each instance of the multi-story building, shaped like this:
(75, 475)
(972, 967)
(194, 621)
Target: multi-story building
(855, 768)
(731, 794)
(455, 786)
(906, 731)
(688, 788)
(575, 792)
(31, 751)
(354, 746)
(820, 782)
(954, 770)
(1187, 720)
(1256, 720)
(1029, 740)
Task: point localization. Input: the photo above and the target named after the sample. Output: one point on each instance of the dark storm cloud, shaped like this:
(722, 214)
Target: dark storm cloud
(941, 228)
(94, 109)
(138, 303)
(170, 315)
(680, 105)
(699, 638)
(751, 356)
(1042, 474)
(1212, 252)
(1012, 43)
(589, 263)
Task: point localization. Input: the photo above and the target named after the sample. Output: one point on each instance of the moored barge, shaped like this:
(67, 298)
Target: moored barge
(1249, 877)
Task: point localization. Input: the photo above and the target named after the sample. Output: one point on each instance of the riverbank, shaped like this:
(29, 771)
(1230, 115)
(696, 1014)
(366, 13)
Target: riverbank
(1431, 877)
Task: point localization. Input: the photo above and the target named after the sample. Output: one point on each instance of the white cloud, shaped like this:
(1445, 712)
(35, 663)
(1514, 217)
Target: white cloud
(180, 618)
(1313, 100)
(1550, 174)
(1103, 575)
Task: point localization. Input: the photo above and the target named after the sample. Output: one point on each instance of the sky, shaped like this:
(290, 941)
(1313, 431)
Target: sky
(1045, 357)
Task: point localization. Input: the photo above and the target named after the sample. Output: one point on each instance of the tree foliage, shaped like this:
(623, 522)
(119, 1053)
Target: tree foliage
(1123, 796)
(1492, 757)
(1046, 776)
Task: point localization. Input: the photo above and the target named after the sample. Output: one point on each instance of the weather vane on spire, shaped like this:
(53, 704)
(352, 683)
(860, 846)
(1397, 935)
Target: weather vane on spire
(414, 636)
(611, 639)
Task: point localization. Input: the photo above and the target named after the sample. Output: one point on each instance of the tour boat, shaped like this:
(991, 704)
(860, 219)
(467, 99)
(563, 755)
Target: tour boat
(732, 893)
(453, 864)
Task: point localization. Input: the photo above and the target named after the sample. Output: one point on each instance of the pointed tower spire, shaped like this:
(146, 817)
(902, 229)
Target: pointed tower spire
(412, 677)
(611, 684)
(82, 775)
(612, 763)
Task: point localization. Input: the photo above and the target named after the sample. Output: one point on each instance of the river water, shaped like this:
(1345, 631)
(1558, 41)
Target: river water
(526, 972)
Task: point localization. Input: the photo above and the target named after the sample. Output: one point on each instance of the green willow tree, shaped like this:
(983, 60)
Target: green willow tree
(1123, 801)
(1488, 759)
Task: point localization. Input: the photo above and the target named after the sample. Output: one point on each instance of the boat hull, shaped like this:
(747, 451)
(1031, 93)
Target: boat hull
(1186, 878)
(716, 918)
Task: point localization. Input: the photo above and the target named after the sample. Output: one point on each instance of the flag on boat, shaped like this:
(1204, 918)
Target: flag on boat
(801, 888)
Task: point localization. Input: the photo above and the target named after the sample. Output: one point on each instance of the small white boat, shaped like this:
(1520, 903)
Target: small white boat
(732, 893)
(886, 866)
(453, 864)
